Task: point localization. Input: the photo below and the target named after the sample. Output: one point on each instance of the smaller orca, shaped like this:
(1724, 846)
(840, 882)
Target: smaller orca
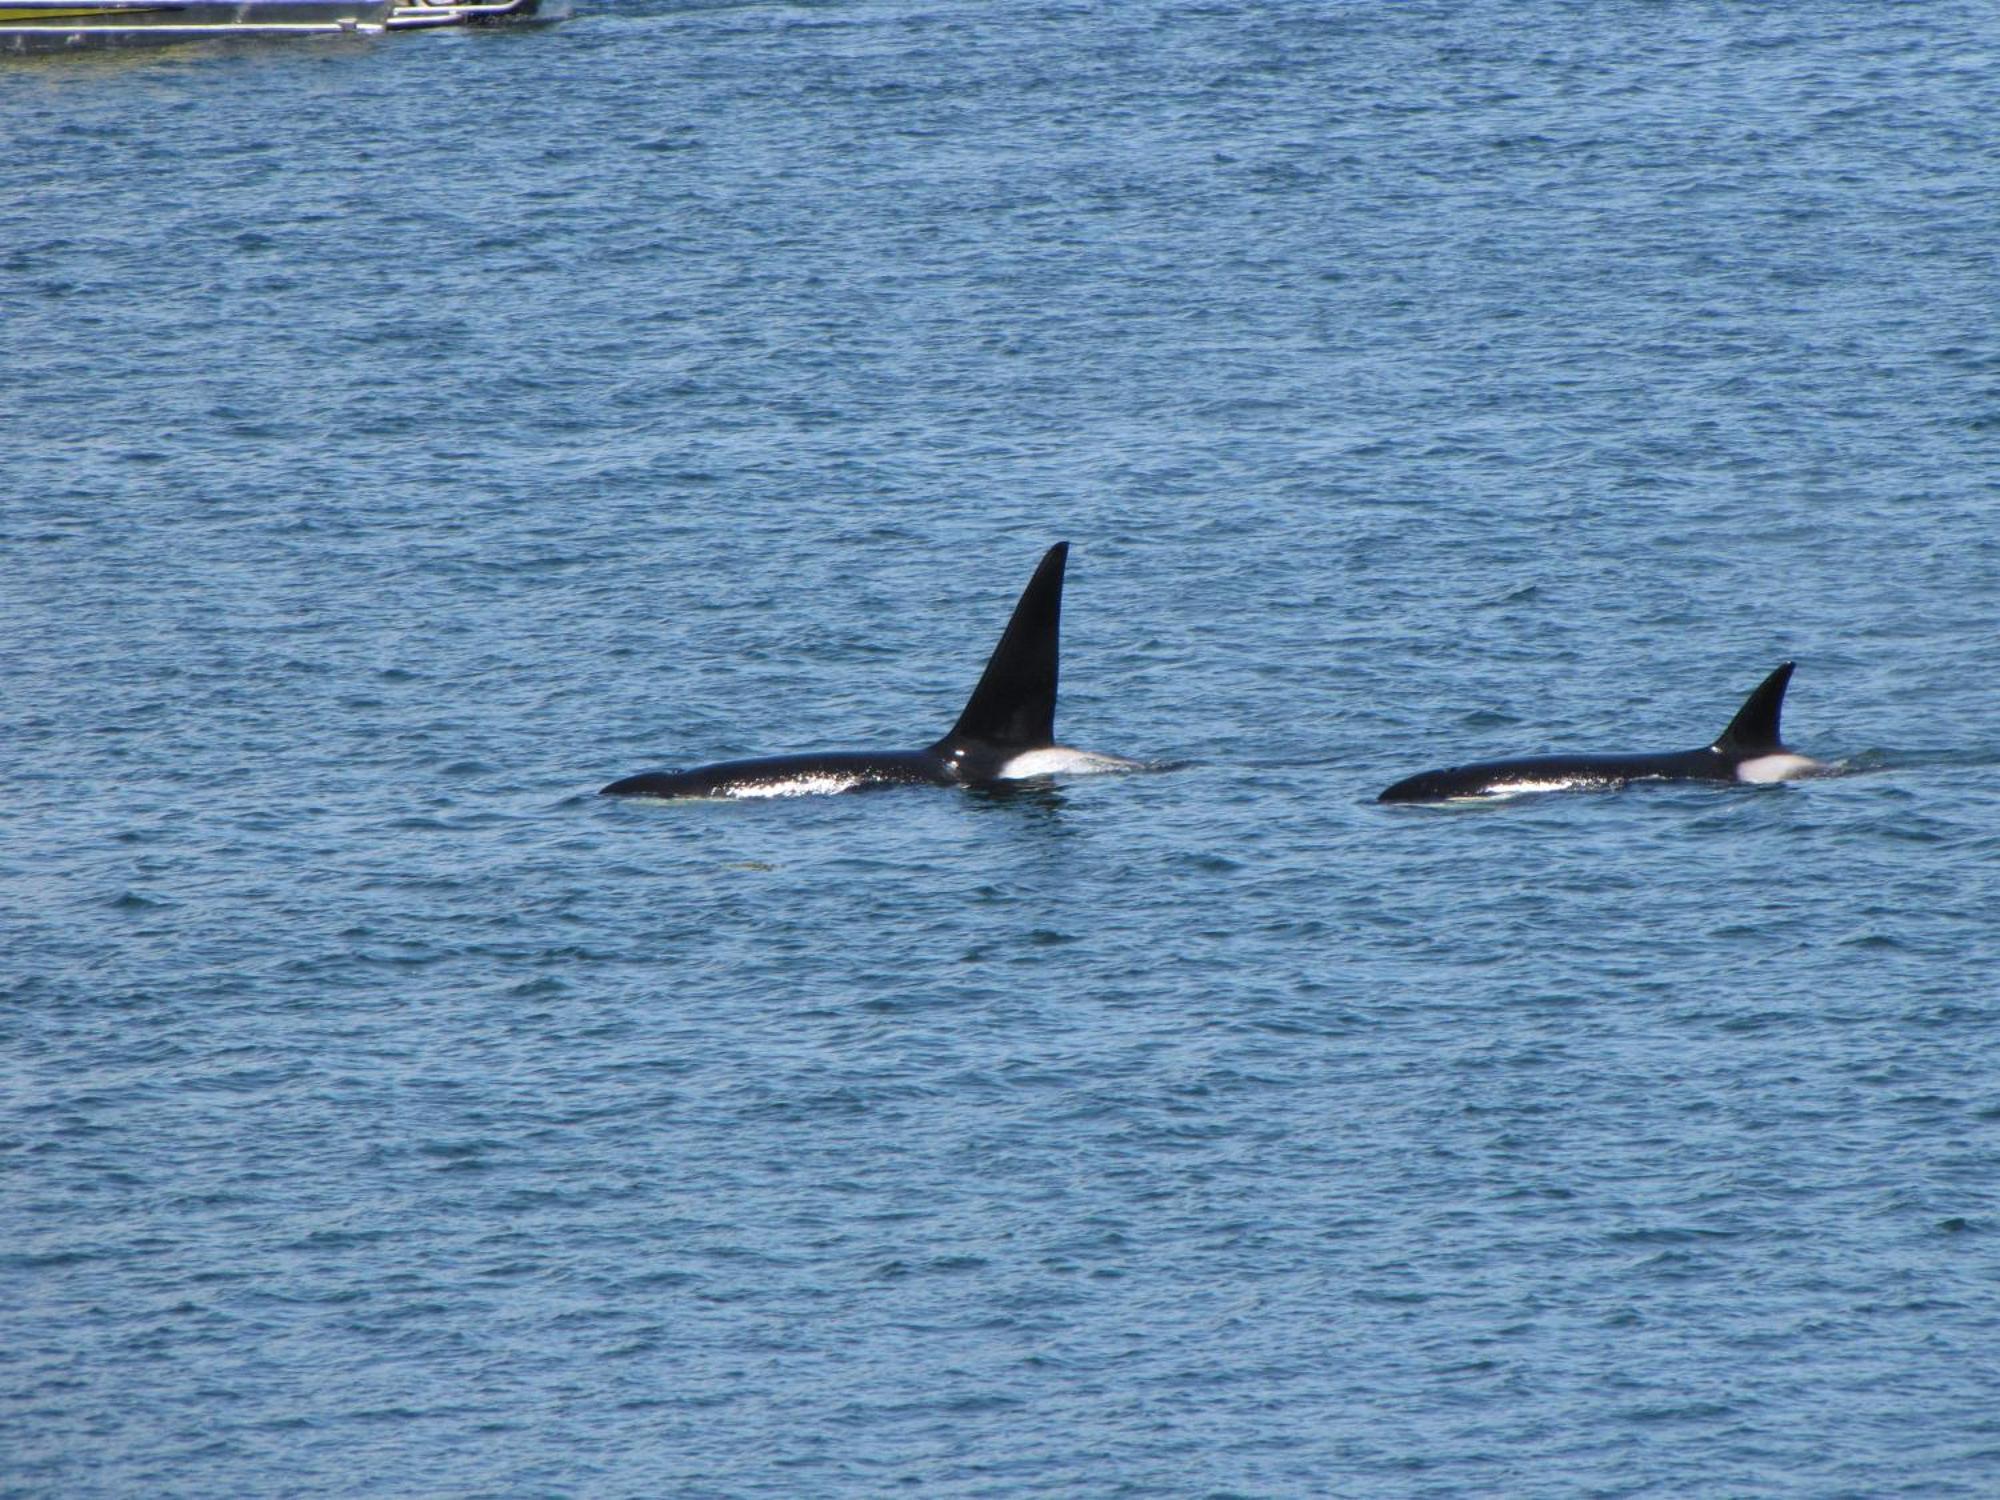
(1006, 733)
(1749, 750)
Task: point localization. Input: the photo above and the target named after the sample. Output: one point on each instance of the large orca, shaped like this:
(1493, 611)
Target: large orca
(1748, 750)
(1007, 732)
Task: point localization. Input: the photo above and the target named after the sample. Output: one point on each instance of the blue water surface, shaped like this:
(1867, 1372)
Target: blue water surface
(401, 439)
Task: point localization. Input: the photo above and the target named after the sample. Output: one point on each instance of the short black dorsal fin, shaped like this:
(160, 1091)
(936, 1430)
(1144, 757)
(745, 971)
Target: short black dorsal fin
(1015, 702)
(1754, 730)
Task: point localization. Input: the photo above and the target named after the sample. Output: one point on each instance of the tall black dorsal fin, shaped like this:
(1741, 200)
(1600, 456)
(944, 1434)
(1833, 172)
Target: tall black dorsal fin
(1015, 702)
(1754, 730)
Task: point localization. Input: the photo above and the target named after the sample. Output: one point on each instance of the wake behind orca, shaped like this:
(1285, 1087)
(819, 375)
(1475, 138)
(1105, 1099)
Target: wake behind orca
(1006, 733)
(1749, 750)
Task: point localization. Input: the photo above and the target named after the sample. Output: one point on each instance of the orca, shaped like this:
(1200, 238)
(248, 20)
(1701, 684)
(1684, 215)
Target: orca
(1749, 750)
(1006, 733)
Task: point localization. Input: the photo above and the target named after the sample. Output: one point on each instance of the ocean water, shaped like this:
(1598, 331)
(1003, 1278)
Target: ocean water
(400, 440)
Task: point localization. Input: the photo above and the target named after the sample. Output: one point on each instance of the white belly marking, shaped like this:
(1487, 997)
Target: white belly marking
(797, 786)
(1523, 788)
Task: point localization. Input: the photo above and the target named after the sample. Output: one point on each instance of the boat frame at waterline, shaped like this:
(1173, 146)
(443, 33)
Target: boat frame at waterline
(69, 25)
